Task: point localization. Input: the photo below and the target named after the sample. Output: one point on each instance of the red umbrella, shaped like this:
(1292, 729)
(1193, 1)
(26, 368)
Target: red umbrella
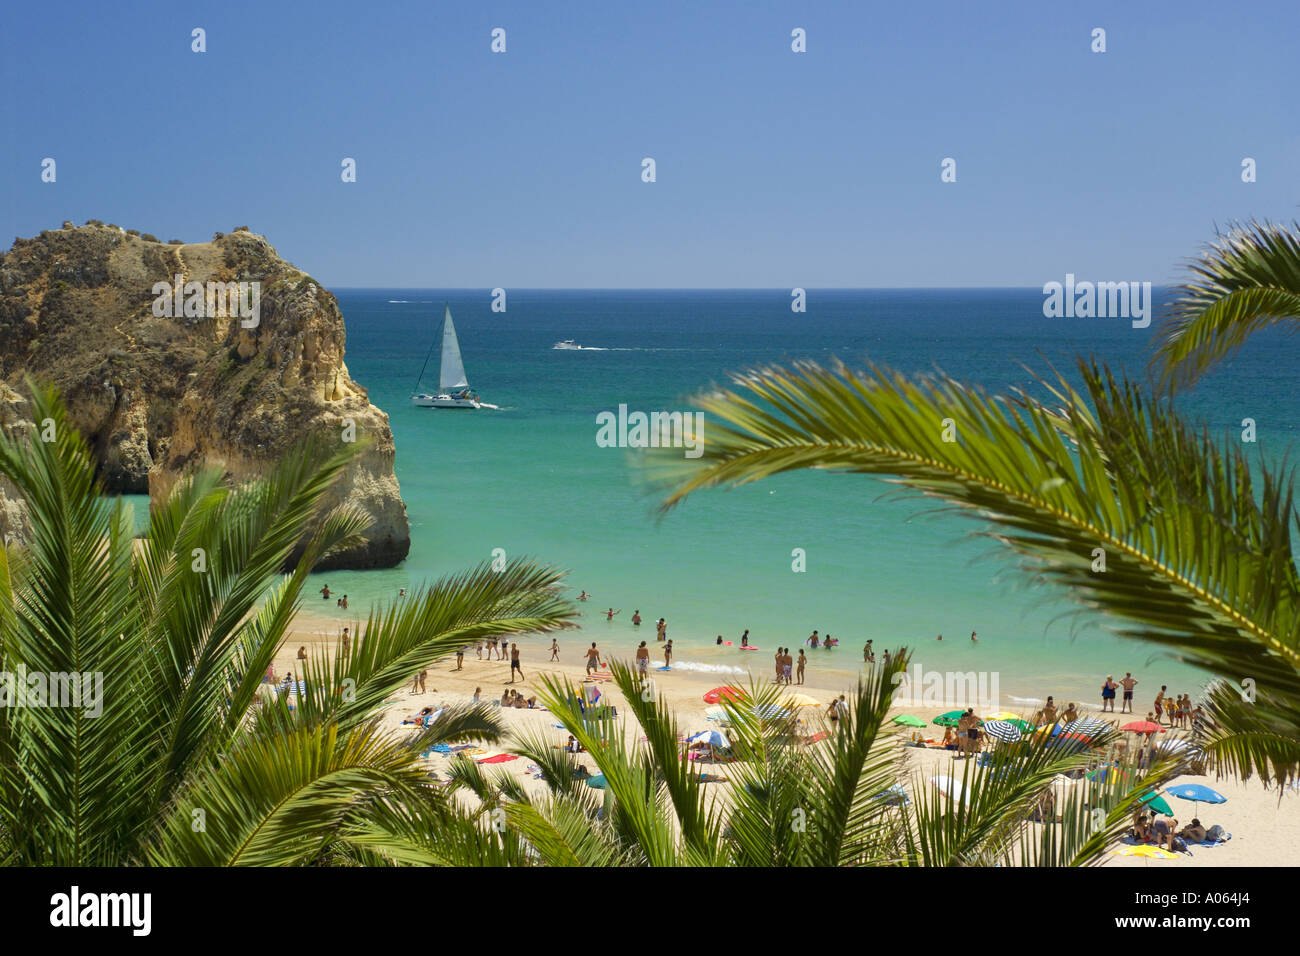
(731, 693)
(1143, 727)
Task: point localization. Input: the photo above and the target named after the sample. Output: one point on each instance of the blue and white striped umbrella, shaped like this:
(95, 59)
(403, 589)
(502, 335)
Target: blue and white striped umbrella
(1086, 727)
(1002, 730)
(772, 712)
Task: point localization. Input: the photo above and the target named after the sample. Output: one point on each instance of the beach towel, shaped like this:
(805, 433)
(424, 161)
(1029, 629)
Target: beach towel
(500, 758)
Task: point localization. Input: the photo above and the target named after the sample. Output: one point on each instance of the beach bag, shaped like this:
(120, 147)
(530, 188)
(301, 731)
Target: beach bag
(1215, 833)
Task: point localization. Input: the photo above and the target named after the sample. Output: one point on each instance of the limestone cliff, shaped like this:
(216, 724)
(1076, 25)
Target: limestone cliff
(157, 395)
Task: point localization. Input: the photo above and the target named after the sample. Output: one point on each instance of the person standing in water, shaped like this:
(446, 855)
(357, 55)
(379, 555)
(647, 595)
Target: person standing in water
(744, 638)
(668, 654)
(636, 618)
(972, 638)
(609, 615)
(661, 630)
(583, 596)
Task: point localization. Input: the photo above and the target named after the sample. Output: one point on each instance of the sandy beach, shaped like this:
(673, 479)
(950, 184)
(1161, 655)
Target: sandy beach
(1265, 829)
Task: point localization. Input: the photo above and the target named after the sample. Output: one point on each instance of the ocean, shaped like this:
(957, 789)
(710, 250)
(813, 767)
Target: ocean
(530, 479)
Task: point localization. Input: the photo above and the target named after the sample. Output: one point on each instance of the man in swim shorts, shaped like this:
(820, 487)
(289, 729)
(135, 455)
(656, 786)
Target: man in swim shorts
(1129, 683)
(593, 658)
(514, 663)
(642, 659)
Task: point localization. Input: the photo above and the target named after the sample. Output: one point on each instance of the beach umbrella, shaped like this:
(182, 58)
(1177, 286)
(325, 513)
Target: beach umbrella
(1085, 727)
(1152, 852)
(949, 787)
(731, 693)
(1002, 730)
(803, 700)
(1143, 727)
(772, 712)
(950, 719)
(1003, 715)
(713, 738)
(1196, 793)
(907, 720)
(1158, 803)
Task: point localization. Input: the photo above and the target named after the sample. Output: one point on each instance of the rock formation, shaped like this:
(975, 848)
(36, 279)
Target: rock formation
(158, 395)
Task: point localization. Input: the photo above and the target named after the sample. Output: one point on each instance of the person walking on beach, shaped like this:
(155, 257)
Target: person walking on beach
(347, 642)
(555, 649)
(460, 658)
(803, 660)
(593, 659)
(1108, 694)
(609, 615)
(514, 663)
(668, 654)
(636, 618)
(1129, 683)
(417, 686)
(642, 659)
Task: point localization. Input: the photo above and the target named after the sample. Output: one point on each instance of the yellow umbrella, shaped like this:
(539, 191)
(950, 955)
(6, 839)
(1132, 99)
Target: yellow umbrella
(1152, 851)
(1004, 715)
(803, 700)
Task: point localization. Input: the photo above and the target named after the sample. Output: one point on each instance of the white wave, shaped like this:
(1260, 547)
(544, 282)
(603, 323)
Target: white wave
(708, 668)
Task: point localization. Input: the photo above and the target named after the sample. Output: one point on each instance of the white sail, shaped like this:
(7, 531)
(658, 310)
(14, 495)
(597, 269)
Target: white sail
(452, 372)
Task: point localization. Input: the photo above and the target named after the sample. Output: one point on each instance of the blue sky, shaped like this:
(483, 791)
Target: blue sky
(774, 169)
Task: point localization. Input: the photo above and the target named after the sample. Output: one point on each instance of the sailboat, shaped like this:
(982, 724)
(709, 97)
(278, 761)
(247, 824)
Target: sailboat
(453, 389)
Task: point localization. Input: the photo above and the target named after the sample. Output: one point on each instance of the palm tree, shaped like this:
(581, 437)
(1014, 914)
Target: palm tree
(178, 761)
(1105, 492)
(1248, 279)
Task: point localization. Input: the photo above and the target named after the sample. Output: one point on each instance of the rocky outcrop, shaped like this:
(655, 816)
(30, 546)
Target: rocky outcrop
(15, 424)
(156, 396)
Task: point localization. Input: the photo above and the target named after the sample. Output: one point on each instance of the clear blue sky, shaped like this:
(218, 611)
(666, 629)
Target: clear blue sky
(775, 169)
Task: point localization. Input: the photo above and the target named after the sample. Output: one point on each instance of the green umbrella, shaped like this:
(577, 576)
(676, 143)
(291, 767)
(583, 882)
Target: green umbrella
(950, 719)
(908, 720)
(1158, 803)
(1024, 725)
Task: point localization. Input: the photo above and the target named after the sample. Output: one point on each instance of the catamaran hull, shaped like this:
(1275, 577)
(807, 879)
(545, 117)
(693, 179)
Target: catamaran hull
(443, 401)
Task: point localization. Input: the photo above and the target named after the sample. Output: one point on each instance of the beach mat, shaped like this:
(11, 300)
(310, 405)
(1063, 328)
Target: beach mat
(499, 758)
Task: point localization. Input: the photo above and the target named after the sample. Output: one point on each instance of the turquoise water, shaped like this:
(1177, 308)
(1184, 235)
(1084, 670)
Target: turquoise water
(531, 480)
